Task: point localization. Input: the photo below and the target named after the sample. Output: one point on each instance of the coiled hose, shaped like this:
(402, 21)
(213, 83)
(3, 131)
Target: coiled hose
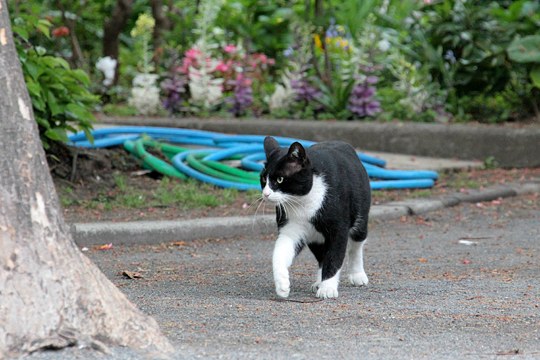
(210, 163)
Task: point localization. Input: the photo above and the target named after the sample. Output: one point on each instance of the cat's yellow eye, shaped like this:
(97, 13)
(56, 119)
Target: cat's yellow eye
(279, 179)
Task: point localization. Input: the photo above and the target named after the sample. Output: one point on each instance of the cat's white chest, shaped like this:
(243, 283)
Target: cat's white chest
(301, 210)
(307, 206)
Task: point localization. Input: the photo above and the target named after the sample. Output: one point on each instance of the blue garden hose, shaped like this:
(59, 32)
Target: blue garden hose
(250, 148)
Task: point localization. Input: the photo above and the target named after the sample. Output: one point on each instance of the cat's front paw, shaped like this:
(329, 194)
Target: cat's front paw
(358, 279)
(327, 290)
(283, 288)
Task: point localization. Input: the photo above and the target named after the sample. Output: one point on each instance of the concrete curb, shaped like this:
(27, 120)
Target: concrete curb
(155, 232)
(509, 146)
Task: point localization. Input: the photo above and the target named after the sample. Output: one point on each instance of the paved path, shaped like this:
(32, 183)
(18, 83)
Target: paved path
(430, 296)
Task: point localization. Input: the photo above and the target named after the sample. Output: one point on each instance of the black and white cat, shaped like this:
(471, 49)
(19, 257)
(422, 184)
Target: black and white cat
(322, 198)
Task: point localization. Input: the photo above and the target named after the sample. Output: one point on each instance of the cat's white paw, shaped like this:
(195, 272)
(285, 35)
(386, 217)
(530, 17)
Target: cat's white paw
(327, 290)
(358, 279)
(283, 288)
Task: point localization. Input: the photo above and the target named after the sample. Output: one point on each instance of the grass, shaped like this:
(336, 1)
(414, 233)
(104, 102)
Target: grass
(191, 194)
(460, 180)
(66, 197)
(186, 195)
(129, 194)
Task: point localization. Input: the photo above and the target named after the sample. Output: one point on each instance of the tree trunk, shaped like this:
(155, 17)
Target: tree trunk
(112, 29)
(51, 295)
(162, 24)
(77, 58)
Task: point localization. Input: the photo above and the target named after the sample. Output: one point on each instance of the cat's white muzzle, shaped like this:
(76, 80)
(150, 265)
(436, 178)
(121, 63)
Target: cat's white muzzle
(271, 195)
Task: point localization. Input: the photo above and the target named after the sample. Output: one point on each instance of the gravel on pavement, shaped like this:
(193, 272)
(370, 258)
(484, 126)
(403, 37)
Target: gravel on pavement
(459, 282)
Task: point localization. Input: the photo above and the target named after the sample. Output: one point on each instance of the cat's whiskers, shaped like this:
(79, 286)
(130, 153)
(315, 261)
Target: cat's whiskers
(293, 204)
(261, 203)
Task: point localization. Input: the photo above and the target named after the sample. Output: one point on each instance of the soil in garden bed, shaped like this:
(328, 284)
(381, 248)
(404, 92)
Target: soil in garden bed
(110, 185)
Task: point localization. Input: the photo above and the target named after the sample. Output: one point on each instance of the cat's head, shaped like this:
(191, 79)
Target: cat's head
(287, 171)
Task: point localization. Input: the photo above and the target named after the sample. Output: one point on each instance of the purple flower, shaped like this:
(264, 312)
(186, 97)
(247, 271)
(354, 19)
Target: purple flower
(288, 52)
(243, 95)
(304, 91)
(173, 88)
(362, 101)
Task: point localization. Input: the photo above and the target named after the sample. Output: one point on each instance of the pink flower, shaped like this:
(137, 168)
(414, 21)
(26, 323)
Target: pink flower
(245, 81)
(190, 60)
(222, 67)
(261, 57)
(229, 48)
(186, 64)
(192, 53)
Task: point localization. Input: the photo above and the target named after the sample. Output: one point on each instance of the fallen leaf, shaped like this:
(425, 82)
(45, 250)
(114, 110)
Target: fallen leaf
(466, 261)
(105, 246)
(467, 242)
(132, 274)
(179, 243)
(509, 352)
(423, 260)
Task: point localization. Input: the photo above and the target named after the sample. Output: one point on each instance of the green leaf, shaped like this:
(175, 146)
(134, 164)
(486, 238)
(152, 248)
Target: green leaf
(89, 135)
(32, 69)
(525, 49)
(535, 76)
(57, 134)
(21, 31)
(38, 103)
(34, 88)
(78, 112)
(81, 76)
(53, 104)
(40, 50)
(44, 123)
(44, 26)
(53, 62)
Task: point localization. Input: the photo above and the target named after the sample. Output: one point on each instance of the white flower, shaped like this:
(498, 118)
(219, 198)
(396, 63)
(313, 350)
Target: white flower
(205, 90)
(107, 66)
(145, 80)
(283, 95)
(384, 45)
(145, 94)
(281, 98)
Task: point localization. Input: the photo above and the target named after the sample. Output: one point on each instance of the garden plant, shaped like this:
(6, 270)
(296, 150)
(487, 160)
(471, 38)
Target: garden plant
(429, 61)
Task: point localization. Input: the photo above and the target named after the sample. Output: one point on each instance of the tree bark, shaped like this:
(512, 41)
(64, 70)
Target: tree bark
(112, 29)
(51, 295)
(77, 58)
(162, 24)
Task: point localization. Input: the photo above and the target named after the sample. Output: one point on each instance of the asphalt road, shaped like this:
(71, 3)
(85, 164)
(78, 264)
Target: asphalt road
(430, 295)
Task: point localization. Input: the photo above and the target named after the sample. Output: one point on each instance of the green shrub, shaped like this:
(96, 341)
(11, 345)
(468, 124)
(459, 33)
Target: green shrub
(60, 97)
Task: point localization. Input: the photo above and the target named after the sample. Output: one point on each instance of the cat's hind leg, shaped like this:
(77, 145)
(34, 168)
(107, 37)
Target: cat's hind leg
(329, 288)
(357, 275)
(318, 251)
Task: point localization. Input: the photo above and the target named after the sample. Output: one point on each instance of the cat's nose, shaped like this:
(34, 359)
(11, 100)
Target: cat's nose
(266, 192)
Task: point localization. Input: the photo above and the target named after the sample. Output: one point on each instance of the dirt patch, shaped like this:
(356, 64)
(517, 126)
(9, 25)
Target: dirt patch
(87, 181)
(88, 168)
(90, 181)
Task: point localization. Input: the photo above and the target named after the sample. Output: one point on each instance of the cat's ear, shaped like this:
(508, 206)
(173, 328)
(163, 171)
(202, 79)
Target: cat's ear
(297, 152)
(270, 145)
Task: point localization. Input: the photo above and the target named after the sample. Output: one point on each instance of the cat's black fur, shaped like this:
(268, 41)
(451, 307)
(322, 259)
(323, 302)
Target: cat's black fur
(345, 208)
